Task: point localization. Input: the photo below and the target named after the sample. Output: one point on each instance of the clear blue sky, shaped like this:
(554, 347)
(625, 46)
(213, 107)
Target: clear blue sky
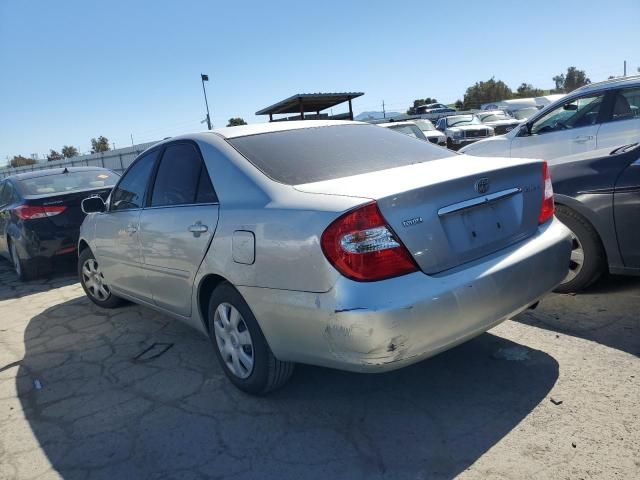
(72, 70)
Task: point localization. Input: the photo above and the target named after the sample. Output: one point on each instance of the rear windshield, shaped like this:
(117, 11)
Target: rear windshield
(68, 182)
(315, 154)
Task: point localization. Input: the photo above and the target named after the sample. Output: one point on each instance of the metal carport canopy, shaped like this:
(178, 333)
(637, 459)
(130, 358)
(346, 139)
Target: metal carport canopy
(309, 102)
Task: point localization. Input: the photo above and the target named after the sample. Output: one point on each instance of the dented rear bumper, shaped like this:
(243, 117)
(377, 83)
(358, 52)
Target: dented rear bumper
(379, 326)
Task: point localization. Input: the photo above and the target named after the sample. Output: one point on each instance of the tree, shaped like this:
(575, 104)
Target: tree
(459, 105)
(559, 81)
(20, 161)
(235, 121)
(100, 145)
(53, 156)
(526, 90)
(69, 151)
(418, 102)
(575, 78)
(486, 92)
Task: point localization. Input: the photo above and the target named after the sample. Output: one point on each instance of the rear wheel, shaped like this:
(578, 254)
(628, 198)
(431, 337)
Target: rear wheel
(240, 346)
(93, 283)
(23, 271)
(588, 259)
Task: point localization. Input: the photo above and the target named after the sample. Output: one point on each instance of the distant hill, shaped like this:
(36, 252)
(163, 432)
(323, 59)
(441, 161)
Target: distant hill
(374, 115)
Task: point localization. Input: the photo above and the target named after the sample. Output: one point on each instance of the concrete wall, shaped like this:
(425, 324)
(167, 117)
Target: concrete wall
(116, 160)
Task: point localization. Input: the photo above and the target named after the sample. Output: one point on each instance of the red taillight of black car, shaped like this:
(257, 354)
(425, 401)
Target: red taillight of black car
(32, 212)
(361, 246)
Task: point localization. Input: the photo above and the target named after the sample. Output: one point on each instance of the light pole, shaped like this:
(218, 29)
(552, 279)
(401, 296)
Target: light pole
(205, 78)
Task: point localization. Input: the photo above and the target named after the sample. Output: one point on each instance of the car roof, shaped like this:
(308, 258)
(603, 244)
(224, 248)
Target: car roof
(259, 128)
(52, 171)
(611, 83)
(393, 124)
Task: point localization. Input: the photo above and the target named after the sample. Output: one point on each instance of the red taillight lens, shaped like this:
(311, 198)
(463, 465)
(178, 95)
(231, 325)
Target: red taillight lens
(548, 208)
(28, 212)
(362, 247)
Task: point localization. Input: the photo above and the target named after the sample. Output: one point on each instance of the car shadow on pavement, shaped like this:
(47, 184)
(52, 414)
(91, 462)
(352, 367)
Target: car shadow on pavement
(100, 409)
(606, 313)
(64, 274)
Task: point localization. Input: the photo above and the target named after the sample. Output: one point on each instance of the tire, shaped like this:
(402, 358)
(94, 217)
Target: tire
(587, 247)
(22, 269)
(240, 346)
(91, 279)
(449, 144)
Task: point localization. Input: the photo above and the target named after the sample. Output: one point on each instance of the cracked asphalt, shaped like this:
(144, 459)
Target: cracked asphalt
(554, 393)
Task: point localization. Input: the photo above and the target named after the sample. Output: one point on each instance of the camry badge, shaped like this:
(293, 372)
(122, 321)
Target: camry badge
(482, 185)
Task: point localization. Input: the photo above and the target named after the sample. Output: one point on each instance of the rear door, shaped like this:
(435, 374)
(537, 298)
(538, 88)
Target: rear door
(177, 228)
(117, 241)
(568, 129)
(627, 211)
(622, 123)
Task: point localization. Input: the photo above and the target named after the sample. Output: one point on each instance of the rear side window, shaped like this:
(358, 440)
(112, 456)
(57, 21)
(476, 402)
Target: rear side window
(182, 178)
(130, 192)
(311, 155)
(6, 194)
(626, 104)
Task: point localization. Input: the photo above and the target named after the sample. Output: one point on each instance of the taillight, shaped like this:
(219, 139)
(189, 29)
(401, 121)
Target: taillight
(548, 208)
(30, 212)
(362, 247)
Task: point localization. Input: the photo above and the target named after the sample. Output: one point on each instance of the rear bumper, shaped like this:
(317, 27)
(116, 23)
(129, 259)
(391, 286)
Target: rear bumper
(38, 248)
(379, 326)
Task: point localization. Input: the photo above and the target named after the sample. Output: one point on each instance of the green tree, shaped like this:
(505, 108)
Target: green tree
(559, 81)
(235, 121)
(526, 90)
(69, 151)
(418, 102)
(20, 161)
(575, 78)
(101, 144)
(459, 105)
(53, 156)
(486, 92)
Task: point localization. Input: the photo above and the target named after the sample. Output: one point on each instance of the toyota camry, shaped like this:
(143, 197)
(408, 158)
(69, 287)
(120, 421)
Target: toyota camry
(338, 244)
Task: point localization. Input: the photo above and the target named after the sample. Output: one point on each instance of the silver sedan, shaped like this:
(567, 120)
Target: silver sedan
(337, 244)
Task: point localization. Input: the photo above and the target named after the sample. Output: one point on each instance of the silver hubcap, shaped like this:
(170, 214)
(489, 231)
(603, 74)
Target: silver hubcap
(233, 340)
(576, 262)
(16, 259)
(94, 280)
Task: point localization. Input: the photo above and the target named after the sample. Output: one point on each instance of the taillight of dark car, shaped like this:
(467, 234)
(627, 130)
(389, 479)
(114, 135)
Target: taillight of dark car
(29, 212)
(547, 209)
(361, 246)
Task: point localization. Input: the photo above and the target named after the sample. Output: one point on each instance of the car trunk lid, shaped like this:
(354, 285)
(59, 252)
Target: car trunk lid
(453, 210)
(72, 215)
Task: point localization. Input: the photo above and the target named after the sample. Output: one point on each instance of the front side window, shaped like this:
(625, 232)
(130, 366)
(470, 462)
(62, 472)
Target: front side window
(130, 192)
(626, 104)
(182, 178)
(580, 112)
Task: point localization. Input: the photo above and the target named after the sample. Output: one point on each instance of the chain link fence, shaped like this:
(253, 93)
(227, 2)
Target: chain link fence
(116, 160)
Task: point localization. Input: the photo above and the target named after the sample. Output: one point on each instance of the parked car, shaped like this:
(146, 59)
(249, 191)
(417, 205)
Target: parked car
(40, 215)
(421, 129)
(338, 244)
(599, 115)
(598, 198)
(430, 131)
(434, 108)
(498, 120)
(462, 130)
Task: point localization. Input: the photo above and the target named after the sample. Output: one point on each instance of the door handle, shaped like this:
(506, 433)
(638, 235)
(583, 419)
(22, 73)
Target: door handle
(198, 228)
(583, 138)
(131, 229)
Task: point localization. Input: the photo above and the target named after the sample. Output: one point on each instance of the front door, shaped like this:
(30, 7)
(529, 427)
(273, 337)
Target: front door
(569, 129)
(117, 234)
(627, 211)
(177, 228)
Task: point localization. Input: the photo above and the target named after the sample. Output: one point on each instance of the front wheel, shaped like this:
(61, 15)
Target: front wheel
(240, 346)
(93, 283)
(588, 259)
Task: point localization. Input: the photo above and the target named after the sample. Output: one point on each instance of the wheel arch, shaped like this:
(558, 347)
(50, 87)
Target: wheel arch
(205, 288)
(82, 246)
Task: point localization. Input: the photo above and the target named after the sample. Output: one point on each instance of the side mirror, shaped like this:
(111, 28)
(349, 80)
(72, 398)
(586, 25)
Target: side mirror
(525, 130)
(93, 205)
(570, 106)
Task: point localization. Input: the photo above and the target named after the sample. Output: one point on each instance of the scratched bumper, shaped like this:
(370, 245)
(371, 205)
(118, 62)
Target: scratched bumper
(379, 326)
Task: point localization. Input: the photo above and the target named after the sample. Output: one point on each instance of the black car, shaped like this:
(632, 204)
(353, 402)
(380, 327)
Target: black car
(40, 214)
(598, 198)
